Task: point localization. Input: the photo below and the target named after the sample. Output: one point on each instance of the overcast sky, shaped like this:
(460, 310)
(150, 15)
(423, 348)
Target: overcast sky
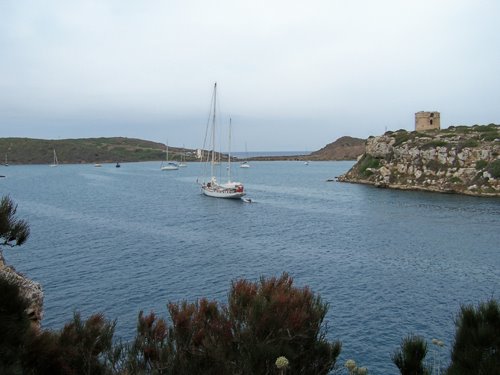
(293, 75)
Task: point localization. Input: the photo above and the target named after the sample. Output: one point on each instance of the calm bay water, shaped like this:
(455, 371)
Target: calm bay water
(389, 263)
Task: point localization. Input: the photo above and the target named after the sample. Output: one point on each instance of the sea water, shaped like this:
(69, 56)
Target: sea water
(388, 263)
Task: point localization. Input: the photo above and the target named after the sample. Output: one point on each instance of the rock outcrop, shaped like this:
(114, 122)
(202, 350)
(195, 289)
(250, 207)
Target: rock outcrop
(344, 148)
(464, 160)
(30, 290)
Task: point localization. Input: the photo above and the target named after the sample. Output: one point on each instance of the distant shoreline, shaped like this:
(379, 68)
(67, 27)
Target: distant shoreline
(256, 154)
(25, 151)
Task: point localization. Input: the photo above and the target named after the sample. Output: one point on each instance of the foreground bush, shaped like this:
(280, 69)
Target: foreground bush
(273, 318)
(14, 324)
(79, 348)
(476, 349)
(262, 321)
(409, 358)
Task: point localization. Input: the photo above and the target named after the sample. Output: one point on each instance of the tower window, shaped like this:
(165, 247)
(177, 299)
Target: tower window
(431, 122)
(432, 114)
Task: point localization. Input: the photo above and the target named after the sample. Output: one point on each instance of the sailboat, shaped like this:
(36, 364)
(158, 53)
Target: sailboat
(212, 188)
(55, 163)
(183, 164)
(6, 162)
(245, 164)
(168, 166)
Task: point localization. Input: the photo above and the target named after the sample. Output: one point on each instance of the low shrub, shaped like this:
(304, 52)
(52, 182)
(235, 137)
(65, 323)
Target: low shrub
(471, 143)
(485, 128)
(494, 168)
(402, 137)
(481, 164)
(434, 144)
(409, 358)
(476, 349)
(434, 165)
(490, 136)
(368, 162)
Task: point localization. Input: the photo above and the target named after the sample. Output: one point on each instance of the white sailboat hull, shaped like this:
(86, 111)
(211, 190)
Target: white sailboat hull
(169, 168)
(222, 194)
(230, 190)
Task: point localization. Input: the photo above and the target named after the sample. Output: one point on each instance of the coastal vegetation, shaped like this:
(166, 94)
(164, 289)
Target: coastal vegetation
(121, 149)
(13, 231)
(269, 326)
(87, 150)
(459, 159)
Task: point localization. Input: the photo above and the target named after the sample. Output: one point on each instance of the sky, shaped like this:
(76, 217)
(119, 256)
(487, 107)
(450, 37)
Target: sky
(292, 75)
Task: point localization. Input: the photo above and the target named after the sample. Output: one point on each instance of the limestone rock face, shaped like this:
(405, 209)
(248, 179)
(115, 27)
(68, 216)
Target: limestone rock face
(377, 148)
(461, 159)
(30, 290)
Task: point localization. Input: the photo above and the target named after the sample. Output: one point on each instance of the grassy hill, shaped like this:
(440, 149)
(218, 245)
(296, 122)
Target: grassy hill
(86, 150)
(344, 148)
(120, 149)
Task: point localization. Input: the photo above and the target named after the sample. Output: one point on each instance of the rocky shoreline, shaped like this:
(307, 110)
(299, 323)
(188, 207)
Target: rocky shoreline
(460, 160)
(30, 290)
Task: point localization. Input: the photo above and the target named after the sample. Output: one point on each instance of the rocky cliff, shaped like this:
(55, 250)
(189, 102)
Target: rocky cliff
(30, 290)
(459, 159)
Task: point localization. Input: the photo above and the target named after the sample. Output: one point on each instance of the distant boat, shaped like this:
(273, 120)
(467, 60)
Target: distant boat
(212, 188)
(97, 165)
(306, 163)
(245, 163)
(6, 162)
(55, 163)
(183, 164)
(117, 165)
(168, 166)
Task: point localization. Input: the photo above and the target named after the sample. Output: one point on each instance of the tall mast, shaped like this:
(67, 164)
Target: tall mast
(213, 132)
(229, 160)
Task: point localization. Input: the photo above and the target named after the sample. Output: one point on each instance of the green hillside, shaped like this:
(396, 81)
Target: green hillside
(86, 150)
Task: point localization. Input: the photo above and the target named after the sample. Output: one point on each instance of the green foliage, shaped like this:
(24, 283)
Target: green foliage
(471, 143)
(202, 338)
(402, 137)
(456, 180)
(409, 358)
(79, 348)
(476, 349)
(462, 129)
(273, 318)
(481, 164)
(490, 137)
(14, 323)
(417, 134)
(485, 128)
(368, 162)
(85, 150)
(494, 168)
(434, 165)
(434, 144)
(152, 351)
(13, 232)
(263, 321)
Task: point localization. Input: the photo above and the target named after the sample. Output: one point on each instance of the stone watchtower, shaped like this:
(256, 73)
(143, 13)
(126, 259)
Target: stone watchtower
(427, 121)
